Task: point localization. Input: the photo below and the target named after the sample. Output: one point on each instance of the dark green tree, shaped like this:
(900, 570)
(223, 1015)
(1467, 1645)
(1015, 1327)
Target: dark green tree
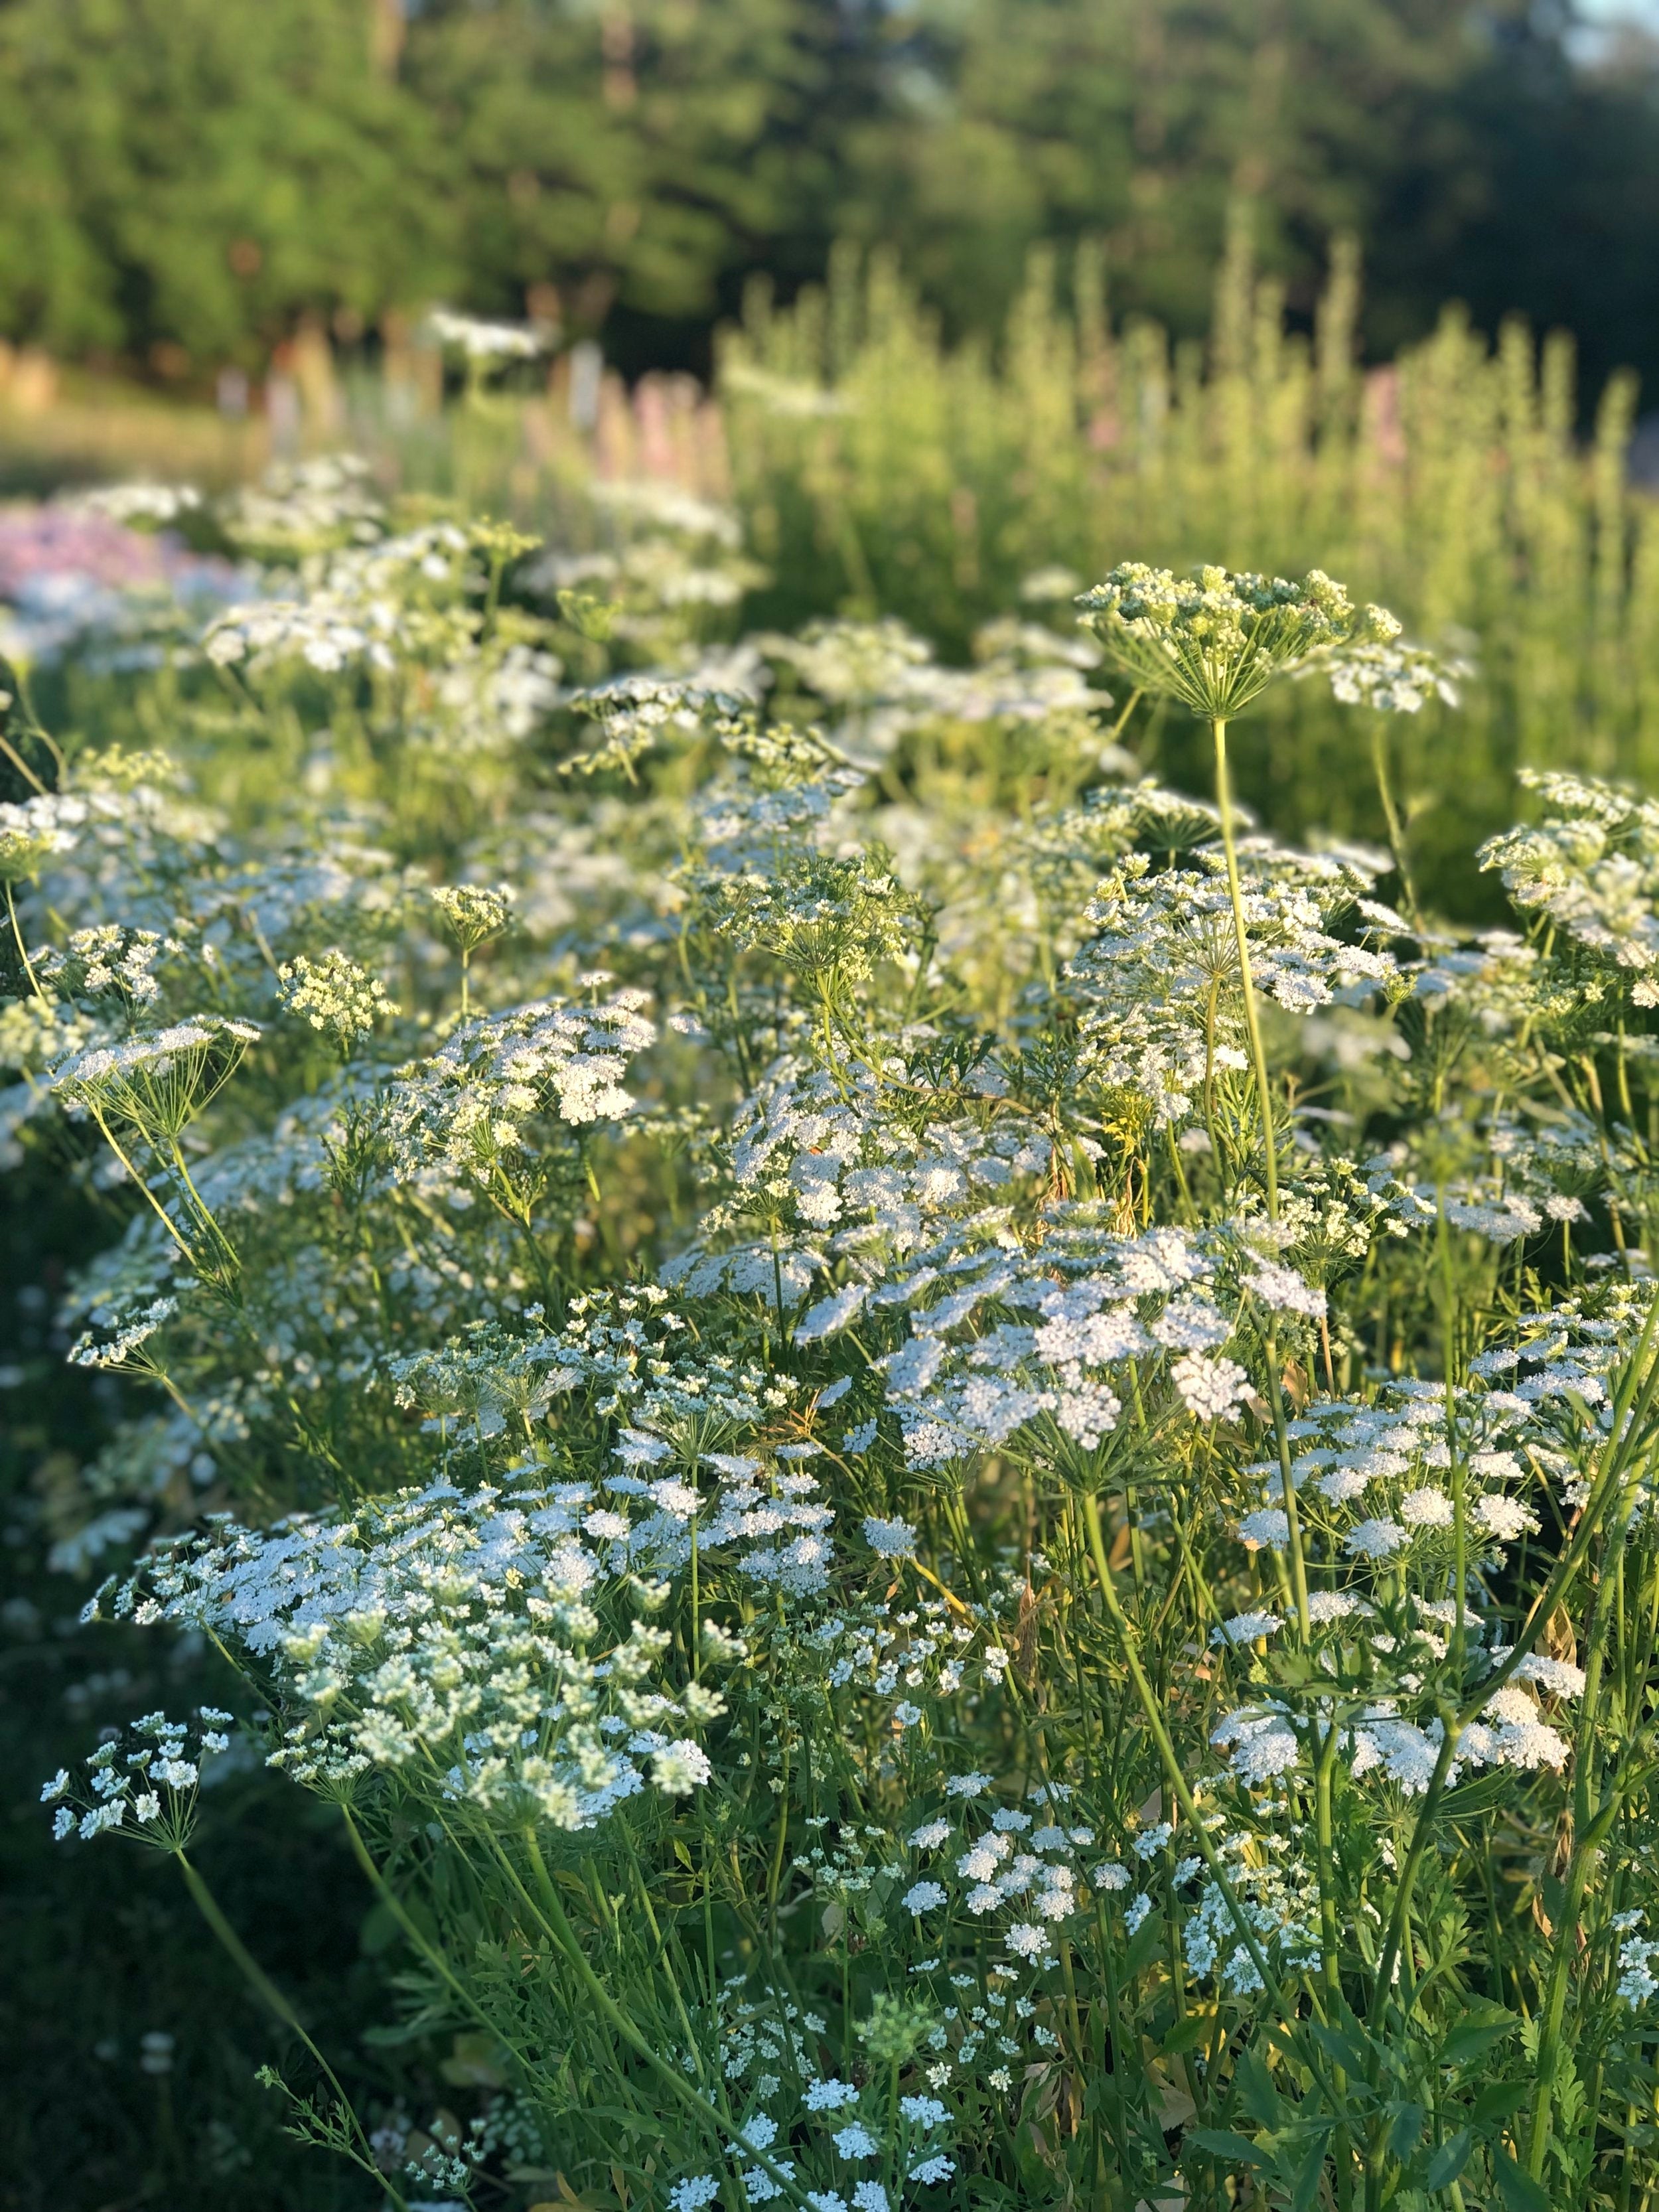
(192, 175)
(1492, 152)
(195, 173)
(632, 154)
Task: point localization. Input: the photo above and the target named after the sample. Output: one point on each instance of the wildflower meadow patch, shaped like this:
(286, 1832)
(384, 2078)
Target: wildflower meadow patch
(941, 1468)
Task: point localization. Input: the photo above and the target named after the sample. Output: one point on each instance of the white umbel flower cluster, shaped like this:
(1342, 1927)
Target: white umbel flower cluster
(335, 995)
(473, 1108)
(469, 1643)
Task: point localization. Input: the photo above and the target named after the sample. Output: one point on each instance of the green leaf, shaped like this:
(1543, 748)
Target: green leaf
(1187, 2034)
(1305, 2194)
(1223, 2142)
(1478, 2031)
(1499, 2098)
(1034, 2157)
(1343, 2048)
(1145, 1946)
(1256, 2093)
(378, 1929)
(1448, 2160)
(1472, 1801)
(1407, 2126)
(1519, 2191)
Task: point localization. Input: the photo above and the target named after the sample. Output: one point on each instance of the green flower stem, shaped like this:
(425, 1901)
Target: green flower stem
(1413, 912)
(664, 1956)
(22, 766)
(1325, 1852)
(269, 1995)
(1184, 1798)
(434, 1958)
(1590, 1828)
(1287, 1486)
(558, 1926)
(537, 1914)
(1585, 1851)
(1265, 1107)
(1123, 722)
(1383, 1987)
(1252, 1018)
(1630, 1405)
(22, 949)
(774, 1875)
(230, 1261)
(1126, 2125)
(161, 1213)
(1449, 1363)
(1166, 1751)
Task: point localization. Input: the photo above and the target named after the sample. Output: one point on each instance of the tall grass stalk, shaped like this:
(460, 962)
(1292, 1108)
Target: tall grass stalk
(880, 471)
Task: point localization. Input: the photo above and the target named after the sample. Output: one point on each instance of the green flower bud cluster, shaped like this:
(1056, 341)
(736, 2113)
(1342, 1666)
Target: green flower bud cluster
(1216, 641)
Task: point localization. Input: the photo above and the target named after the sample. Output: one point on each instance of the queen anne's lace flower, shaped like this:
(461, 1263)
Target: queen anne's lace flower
(892, 1539)
(333, 994)
(474, 912)
(1216, 640)
(477, 1106)
(445, 1637)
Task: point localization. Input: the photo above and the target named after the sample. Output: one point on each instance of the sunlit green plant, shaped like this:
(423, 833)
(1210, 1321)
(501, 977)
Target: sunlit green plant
(952, 1503)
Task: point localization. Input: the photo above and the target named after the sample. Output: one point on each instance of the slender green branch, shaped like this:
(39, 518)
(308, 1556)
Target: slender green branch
(1247, 981)
(679, 2088)
(22, 949)
(270, 1995)
(1171, 1762)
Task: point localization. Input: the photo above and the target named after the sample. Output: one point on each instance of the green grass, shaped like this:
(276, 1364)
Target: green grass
(877, 471)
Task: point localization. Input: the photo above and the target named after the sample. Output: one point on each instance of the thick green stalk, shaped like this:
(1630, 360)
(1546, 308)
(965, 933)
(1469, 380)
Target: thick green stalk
(1413, 1859)
(1247, 984)
(1555, 2000)
(1325, 1853)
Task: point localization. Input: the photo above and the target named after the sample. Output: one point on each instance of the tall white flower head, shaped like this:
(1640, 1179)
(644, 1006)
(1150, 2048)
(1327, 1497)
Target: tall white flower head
(1217, 640)
(474, 912)
(893, 1540)
(157, 1080)
(483, 341)
(334, 994)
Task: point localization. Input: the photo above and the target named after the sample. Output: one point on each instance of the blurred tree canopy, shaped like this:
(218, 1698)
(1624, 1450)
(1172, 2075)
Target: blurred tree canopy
(192, 173)
(180, 180)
